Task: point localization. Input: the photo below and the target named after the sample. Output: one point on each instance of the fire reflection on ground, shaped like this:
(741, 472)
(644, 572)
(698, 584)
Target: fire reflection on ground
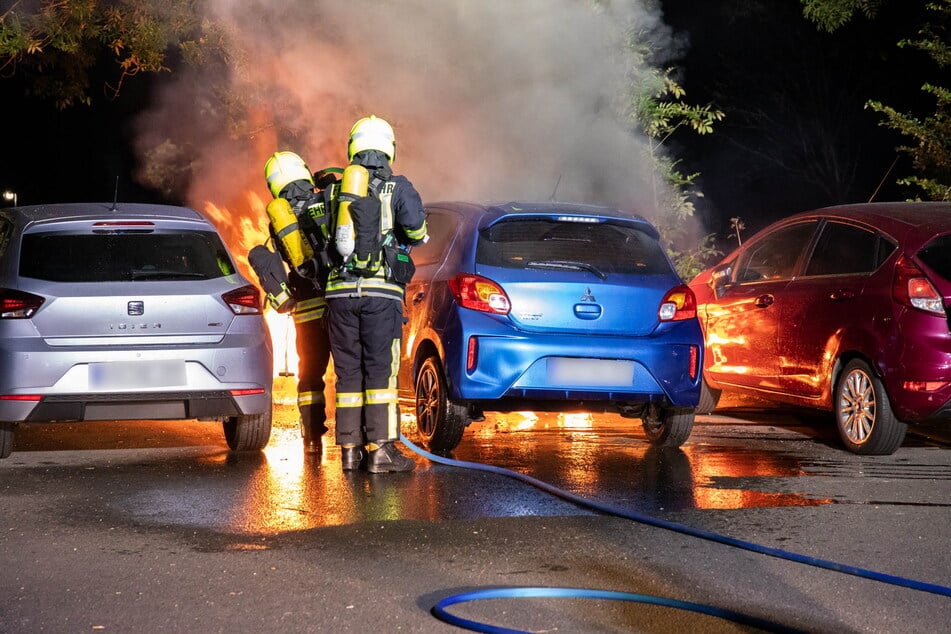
(601, 457)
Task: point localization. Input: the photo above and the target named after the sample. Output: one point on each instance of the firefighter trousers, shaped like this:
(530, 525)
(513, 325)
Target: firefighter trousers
(365, 335)
(313, 352)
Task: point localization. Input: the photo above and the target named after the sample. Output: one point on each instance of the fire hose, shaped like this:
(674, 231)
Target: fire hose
(439, 610)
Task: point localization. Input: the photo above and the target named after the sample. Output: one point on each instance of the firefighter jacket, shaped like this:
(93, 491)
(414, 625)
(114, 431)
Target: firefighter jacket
(309, 302)
(402, 219)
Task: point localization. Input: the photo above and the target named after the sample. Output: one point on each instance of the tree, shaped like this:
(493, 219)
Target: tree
(657, 107)
(929, 134)
(59, 44)
(832, 14)
(660, 110)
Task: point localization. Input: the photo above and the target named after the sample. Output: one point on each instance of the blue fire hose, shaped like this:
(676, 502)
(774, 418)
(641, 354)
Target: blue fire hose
(439, 609)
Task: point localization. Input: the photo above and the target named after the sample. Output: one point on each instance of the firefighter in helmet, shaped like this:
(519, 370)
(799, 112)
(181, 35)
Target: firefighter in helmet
(297, 239)
(377, 213)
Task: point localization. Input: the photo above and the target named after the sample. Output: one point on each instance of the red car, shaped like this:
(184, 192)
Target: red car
(844, 309)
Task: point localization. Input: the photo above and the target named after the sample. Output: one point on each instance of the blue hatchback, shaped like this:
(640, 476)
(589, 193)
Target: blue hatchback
(548, 307)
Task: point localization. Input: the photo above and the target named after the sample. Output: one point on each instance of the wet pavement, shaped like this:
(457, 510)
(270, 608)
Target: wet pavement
(154, 525)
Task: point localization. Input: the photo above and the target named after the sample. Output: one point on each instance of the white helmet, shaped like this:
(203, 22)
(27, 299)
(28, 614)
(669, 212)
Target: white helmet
(372, 133)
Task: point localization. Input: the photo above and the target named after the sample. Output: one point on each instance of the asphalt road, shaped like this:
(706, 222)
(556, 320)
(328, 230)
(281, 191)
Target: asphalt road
(155, 526)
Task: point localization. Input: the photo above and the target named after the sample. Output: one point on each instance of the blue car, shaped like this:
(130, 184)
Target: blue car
(547, 307)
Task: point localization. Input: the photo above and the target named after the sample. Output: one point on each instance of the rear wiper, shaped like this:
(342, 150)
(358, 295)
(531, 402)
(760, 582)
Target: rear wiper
(568, 265)
(151, 274)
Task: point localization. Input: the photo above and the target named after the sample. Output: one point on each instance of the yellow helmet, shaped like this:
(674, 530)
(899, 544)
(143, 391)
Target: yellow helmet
(284, 168)
(372, 133)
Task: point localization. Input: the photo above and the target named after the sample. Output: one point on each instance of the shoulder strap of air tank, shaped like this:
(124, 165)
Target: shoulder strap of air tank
(374, 185)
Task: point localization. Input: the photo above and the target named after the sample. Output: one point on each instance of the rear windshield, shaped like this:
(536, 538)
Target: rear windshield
(599, 248)
(937, 255)
(71, 257)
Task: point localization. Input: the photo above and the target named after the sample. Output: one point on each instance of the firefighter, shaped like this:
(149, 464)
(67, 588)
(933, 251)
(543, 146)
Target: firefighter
(365, 298)
(289, 178)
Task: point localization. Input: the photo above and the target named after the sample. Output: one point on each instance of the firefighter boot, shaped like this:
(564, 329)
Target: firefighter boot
(352, 457)
(311, 430)
(384, 457)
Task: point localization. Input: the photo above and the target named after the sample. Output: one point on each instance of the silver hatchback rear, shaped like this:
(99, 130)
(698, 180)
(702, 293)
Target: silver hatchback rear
(128, 311)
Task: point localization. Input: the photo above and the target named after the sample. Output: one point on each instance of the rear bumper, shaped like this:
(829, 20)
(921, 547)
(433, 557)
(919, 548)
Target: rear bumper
(58, 384)
(135, 406)
(513, 366)
(921, 407)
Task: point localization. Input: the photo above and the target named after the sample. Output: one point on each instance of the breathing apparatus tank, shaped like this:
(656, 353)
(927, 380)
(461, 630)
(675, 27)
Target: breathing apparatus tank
(284, 223)
(354, 185)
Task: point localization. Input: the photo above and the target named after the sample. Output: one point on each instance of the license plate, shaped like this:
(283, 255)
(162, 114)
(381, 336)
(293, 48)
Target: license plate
(590, 372)
(119, 375)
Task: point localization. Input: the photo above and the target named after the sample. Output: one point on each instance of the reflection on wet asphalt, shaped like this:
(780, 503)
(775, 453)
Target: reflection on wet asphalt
(283, 490)
(602, 458)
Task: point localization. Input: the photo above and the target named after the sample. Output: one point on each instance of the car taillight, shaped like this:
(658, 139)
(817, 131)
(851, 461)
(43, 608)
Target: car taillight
(912, 288)
(479, 293)
(244, 301)
(679, 303)
(17, 304)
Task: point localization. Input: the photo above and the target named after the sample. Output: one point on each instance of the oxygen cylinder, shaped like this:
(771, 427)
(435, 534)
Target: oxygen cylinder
(354, 185)
(284, 222)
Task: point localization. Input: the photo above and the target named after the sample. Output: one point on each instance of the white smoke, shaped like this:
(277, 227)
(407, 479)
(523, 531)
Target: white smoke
(490, 99)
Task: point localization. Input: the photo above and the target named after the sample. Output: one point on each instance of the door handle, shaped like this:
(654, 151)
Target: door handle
(418, 297)
(841, 293)
(763, 301)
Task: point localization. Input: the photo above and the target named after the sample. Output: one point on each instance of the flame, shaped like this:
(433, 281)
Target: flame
(284, 342)
(242, 231)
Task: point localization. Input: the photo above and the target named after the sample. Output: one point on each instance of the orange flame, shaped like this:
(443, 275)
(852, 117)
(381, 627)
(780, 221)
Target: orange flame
(241, 232)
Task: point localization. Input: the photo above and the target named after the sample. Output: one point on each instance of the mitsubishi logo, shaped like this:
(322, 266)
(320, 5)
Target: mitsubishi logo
(136, 308)
(588, 297)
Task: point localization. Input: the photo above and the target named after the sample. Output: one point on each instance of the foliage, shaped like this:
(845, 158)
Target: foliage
(929, 136)
(57, 44)
(660, 110)
(829, 15)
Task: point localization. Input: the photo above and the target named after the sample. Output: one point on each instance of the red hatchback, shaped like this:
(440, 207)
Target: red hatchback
(845, 309)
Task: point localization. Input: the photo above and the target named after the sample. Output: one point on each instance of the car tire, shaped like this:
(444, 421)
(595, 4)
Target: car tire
(249, 432)
(6, 438)
(668, 427)
(439, 421)
(709, 398)
(863, 414)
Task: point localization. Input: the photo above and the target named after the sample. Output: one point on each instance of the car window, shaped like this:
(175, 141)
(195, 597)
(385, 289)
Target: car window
(601, 248)
(441, 228)
(774, 257)
(844, 249)
(937, 255)
(73, 257)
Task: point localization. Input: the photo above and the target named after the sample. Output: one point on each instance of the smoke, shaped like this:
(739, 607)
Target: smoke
(490, 100)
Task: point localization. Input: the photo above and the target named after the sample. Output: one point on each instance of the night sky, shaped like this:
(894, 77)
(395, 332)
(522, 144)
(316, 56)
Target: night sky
(772, 65)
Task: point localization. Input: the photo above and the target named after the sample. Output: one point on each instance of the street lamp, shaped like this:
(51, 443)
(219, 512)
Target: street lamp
(10, 196)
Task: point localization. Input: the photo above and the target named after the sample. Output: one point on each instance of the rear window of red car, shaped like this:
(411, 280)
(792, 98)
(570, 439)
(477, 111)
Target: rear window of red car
(937, 255)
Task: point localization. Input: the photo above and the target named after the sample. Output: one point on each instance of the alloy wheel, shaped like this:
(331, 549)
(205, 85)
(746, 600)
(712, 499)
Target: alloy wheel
(857, 406)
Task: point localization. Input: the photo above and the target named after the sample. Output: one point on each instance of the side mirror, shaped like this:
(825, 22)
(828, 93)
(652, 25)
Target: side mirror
(719, 278)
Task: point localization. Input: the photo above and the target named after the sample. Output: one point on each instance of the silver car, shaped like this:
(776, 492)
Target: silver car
(126, 312)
